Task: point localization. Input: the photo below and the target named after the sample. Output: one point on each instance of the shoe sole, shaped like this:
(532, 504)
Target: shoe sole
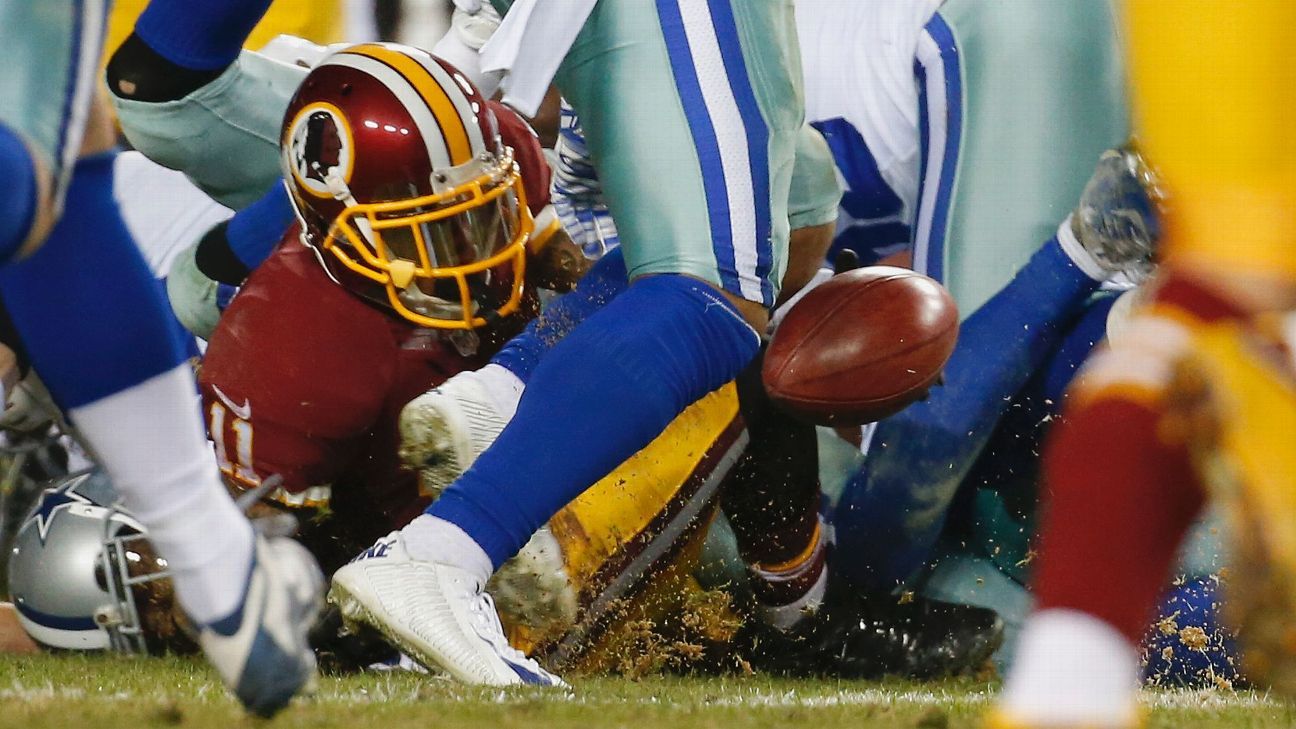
(435, 442)
(532, 590)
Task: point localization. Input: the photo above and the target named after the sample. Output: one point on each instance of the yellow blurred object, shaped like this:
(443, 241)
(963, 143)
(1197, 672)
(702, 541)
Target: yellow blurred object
(1214, 83)
(998, 720)
(320, 21)
(1235, 396)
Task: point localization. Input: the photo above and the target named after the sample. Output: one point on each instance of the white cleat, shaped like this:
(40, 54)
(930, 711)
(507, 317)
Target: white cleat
(445, 429)
(261, 651)
(436, 613)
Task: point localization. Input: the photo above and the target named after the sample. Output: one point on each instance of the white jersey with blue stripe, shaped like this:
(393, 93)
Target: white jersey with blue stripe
(861, 62)
(867, 67)
(166, 215)
(577, 193)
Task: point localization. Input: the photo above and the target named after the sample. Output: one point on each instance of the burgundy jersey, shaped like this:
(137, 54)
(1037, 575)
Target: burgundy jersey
(304, 379)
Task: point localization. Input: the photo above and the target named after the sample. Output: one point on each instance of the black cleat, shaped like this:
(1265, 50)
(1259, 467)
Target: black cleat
(880, 635)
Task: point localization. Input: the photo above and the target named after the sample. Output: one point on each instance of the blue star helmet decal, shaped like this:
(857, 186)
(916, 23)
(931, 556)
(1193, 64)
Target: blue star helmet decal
(54, 499)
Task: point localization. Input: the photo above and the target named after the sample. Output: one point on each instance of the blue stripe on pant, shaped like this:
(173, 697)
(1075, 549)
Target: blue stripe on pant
(726, 29)
(934, 206)
(733, 271)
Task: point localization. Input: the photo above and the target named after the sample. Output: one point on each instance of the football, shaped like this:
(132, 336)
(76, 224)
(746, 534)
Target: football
(861, 346)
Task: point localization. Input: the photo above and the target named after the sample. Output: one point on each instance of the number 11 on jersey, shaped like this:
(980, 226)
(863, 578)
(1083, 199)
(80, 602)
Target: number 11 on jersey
(234, 462)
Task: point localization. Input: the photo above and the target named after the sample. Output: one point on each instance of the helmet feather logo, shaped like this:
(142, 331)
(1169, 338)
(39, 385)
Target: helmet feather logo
(321, 150)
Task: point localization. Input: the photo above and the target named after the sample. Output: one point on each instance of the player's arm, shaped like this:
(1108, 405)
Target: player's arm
(205, 276)
(813, 207)
(195, 109)
(578, 192)
(13, 639)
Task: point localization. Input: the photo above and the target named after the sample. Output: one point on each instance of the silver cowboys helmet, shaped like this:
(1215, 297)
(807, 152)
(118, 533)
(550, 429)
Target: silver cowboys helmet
(83, 575)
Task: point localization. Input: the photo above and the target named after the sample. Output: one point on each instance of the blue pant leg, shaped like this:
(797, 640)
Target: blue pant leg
(86, 305)
(893, 509)
(605, 280)
(601, 394)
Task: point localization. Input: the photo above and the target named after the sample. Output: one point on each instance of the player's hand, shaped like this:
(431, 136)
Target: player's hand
(559, 265)
(28, 406)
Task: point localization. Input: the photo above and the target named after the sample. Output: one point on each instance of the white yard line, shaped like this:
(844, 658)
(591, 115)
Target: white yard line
(390, 693)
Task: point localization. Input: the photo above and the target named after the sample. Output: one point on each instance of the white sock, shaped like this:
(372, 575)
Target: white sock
(1077, 253)
(504, 387)
(785, 617)
(431, 539)
(1072, 668)
(151, 442)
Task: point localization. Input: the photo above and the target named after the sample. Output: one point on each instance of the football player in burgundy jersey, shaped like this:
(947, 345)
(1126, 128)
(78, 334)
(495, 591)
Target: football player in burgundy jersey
(416, 200)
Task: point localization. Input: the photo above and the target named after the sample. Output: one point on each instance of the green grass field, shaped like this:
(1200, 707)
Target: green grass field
(106, 691)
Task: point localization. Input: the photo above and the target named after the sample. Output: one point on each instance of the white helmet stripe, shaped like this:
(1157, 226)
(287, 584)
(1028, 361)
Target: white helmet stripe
(438, 152)
(460, 100)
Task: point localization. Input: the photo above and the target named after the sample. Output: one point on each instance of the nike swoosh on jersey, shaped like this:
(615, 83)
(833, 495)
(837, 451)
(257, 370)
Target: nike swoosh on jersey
(242, 412)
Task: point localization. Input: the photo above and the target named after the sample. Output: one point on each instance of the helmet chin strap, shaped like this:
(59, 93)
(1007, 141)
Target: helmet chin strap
(338, 188)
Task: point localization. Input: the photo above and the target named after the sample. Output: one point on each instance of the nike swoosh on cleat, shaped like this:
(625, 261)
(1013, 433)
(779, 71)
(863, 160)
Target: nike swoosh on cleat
(527, 675)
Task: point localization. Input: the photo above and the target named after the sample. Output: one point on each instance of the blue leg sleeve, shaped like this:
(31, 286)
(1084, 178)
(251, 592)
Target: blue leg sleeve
(892, 510)
(1012, 454)
(599, 396)
(602, 283)
(86, 305)
(255, 230)
(18, 204)
(202, 35)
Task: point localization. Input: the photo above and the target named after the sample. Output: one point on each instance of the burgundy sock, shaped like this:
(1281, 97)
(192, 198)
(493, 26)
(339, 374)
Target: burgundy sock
(1118, 502)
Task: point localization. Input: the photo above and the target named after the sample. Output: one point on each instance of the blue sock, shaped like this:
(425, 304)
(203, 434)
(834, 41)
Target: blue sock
(255, 230)
(86, 304)
(1195, 603)
(199, 34)
(605, 280)
(600, 395)
(1012, 454)
(893, 509)
(18, 204)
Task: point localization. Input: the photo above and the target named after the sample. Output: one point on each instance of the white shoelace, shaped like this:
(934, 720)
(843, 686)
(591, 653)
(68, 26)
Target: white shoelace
(490, 629)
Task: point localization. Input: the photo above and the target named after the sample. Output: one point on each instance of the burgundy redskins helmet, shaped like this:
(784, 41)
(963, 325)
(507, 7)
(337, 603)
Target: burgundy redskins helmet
(397, 171)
